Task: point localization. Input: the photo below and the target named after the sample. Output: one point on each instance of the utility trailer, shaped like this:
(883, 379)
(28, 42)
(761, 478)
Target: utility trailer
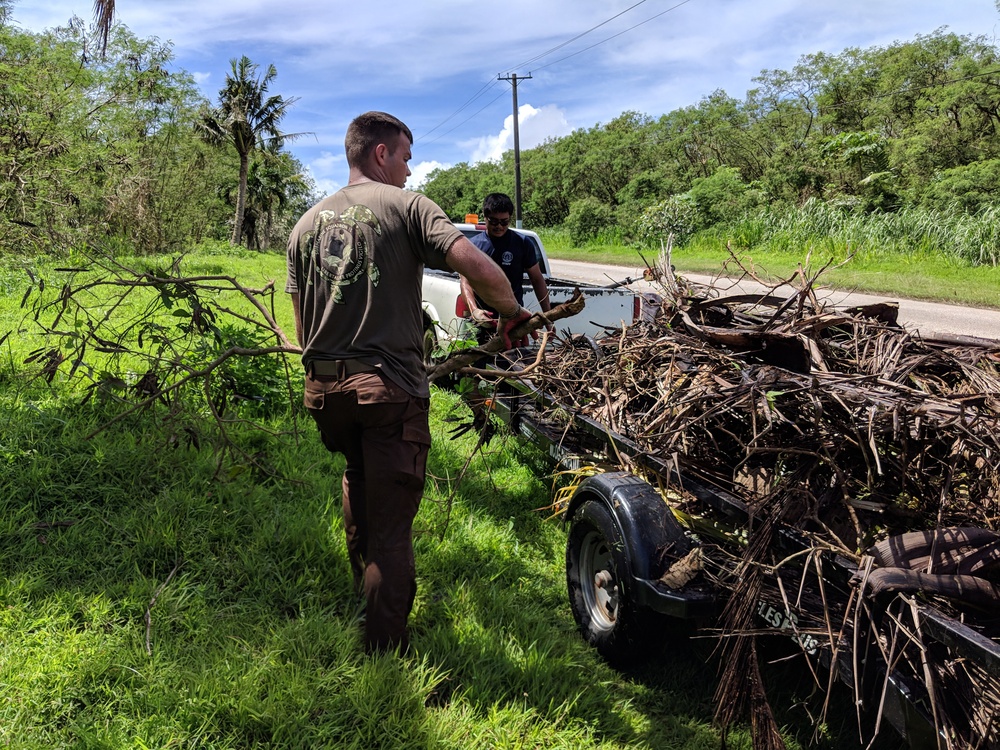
(630, 578)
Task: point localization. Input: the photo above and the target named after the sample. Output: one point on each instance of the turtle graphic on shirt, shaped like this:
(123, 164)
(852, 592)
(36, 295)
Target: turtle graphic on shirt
(341, 248)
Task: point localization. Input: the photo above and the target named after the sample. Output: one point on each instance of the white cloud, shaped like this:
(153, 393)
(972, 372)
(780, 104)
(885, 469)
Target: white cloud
(329, 171)
(534, 127)
(201, 79)
(327, 163)
(420, 171)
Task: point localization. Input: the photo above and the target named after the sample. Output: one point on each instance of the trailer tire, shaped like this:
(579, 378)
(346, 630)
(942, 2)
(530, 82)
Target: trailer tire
(598, 573)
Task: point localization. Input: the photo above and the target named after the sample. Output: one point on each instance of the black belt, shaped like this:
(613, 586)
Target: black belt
(342, 368)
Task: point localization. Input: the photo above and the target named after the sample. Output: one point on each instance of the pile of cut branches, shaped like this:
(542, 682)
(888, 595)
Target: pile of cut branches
(859, 426)
(838, 423)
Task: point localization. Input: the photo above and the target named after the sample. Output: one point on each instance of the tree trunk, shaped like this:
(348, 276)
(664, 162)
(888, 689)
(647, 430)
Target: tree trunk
(241, 200)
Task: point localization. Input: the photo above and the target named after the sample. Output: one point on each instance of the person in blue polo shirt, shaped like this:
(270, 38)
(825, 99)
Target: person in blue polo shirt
(512, 252)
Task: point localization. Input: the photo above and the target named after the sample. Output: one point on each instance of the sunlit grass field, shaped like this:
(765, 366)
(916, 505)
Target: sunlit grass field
(157, 593)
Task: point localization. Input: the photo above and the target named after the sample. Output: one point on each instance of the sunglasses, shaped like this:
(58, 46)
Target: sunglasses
(497, 222)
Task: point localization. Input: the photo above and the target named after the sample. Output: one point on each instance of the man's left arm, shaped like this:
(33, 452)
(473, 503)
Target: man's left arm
(540, 287)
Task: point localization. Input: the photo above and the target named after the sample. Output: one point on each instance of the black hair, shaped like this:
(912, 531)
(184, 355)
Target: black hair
(498, 203)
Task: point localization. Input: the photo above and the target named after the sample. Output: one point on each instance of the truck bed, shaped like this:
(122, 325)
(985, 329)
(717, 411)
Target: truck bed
(606, 309)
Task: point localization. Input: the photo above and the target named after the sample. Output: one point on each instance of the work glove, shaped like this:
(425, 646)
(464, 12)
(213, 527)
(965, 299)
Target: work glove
(509, 323)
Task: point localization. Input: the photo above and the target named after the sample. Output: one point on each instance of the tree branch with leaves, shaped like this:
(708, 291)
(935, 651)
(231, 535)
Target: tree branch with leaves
(185, 345)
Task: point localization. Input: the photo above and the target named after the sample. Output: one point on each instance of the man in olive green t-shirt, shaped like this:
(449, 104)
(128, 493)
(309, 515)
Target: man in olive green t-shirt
(355, 262)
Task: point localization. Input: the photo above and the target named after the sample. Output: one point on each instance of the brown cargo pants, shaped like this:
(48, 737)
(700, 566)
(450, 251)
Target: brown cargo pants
(383, 433)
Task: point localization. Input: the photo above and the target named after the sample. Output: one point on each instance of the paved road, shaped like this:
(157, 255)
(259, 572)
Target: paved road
(930, 318)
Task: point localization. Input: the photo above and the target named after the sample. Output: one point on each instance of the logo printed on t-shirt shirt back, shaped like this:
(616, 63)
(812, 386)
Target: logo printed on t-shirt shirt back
(341, 248)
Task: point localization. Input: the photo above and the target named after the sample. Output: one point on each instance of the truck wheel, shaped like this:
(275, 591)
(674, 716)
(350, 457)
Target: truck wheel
(430, 343)
(432, 356)
(597, 576)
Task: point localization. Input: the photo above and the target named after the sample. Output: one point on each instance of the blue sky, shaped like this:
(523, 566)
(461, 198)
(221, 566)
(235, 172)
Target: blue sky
(435, 63)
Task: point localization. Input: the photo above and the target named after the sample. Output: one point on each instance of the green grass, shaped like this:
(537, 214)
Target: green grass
(254, 640)
(253, 637)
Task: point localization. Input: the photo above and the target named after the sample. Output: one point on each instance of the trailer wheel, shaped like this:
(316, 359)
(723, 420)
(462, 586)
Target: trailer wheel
(597, 576)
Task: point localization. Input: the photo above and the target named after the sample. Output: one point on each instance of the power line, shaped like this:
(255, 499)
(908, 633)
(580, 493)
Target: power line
(468, 118)
(578, 36)
(490, 83)
(614, 36)
(483, 89)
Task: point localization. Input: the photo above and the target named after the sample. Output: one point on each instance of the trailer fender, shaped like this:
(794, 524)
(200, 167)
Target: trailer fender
(652, 537)
(621, 537)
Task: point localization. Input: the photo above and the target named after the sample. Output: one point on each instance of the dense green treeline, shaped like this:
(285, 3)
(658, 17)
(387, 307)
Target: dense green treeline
(907, 127)
(115, 150)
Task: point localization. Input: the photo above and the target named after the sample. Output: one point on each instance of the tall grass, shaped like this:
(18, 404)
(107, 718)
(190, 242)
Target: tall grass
(915, 253)
(970, 239)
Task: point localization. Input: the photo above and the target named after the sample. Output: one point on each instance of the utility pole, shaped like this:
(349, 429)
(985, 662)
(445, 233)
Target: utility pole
(517, 149)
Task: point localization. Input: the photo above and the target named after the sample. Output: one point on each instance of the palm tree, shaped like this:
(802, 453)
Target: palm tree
(244, 118)
(273, 181)
(248, 119)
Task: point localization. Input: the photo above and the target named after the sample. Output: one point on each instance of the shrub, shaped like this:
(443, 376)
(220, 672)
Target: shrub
(588, 217)
(719, 198)
(677, 215)
(967, 188)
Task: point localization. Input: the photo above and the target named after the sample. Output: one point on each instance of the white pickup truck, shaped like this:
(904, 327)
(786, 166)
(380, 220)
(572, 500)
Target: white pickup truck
(446, 316)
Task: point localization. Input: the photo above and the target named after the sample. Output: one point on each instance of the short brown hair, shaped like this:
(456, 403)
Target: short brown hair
(367, 131)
